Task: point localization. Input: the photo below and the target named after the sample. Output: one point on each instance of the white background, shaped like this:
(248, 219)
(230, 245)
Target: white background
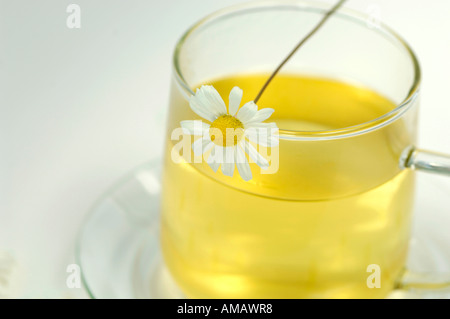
(81, 107)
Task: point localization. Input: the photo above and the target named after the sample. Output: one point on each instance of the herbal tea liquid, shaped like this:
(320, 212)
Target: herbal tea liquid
(310, 230)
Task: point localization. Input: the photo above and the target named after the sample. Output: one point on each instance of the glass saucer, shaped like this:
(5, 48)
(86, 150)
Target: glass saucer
(118, 244)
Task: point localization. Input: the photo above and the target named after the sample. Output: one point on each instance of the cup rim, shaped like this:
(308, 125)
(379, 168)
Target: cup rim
(343, 12)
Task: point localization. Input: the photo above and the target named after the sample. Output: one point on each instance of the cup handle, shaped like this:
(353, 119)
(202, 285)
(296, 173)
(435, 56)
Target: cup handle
(424, 285)
(427, 161)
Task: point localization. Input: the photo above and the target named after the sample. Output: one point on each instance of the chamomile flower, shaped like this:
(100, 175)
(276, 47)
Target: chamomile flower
(225, 140)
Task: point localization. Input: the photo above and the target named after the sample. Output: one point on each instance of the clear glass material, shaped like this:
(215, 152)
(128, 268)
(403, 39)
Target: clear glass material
(428, 161)
(341, 199)
(119, 253)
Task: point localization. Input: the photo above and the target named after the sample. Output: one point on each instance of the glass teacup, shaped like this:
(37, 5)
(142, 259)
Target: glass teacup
(325, 212)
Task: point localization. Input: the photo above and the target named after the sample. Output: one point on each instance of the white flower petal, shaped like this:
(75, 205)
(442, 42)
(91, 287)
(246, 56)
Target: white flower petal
(208, 103)
(260, 116)
(242, 164)
(201, 108)
(227, 166)
(215, 100)
(263, 136)
(234, 100)
(213, 160)
(207, 145)
(254, 155)
(202, 145)
(247, 111)
(266, 141)
(271, 125)
(196, 127)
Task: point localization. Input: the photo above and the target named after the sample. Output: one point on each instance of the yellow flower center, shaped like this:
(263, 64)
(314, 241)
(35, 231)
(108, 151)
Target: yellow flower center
(226, 130)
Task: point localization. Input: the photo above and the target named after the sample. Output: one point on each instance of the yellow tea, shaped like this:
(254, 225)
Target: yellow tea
(335, 205)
